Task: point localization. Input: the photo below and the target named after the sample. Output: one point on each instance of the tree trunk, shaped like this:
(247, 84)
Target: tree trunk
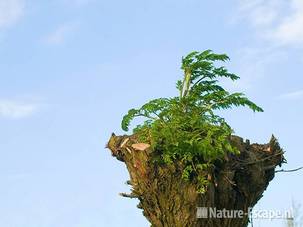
(167, 200)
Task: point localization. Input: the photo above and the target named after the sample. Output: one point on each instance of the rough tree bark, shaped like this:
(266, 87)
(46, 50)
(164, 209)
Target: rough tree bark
(167, 200)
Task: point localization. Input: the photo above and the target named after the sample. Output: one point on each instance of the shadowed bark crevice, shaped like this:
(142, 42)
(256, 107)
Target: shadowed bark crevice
(167, 200)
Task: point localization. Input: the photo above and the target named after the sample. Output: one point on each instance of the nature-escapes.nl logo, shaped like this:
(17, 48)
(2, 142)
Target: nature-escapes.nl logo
(213, 212)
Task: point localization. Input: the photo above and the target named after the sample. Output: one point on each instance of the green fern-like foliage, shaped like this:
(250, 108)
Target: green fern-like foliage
(186, 128)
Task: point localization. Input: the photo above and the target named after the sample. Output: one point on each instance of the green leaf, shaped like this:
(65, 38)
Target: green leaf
(128, 118)
(185, 128)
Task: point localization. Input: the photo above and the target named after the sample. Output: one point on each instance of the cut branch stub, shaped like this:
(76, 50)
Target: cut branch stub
(168, 200)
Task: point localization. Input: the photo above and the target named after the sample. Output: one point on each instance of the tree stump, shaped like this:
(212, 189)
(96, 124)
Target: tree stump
(167, 200)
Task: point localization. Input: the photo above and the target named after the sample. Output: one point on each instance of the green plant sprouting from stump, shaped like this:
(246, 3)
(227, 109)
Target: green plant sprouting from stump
(186, 128)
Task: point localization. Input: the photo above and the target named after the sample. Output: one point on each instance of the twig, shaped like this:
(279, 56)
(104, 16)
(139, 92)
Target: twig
(132, 196)
(124, 142)
(229, 181)
(261, 160)
(289, 170)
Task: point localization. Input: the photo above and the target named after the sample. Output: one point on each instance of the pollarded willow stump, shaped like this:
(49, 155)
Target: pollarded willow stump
(167, 200)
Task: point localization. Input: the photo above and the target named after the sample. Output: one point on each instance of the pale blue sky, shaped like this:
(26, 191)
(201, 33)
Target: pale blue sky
(70, 69)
